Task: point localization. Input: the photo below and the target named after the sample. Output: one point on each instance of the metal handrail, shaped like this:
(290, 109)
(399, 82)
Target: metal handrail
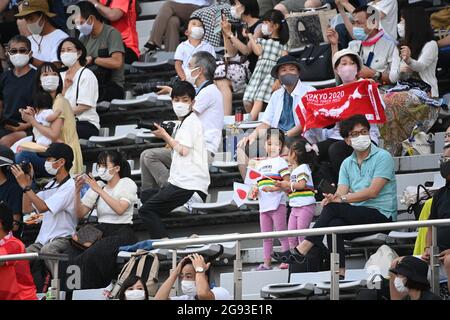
(334, 231)
(35, 256)
(179, 243)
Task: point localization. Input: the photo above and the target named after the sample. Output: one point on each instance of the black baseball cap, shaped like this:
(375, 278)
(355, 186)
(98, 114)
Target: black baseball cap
(6, 156)
(412, 268)
(282, 61)
(58, 151)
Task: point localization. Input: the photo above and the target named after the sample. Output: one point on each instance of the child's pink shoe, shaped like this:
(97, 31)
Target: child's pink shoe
(263, 267)
(284, 266)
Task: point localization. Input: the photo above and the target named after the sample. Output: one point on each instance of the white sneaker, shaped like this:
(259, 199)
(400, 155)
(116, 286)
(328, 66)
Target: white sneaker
(194, 199)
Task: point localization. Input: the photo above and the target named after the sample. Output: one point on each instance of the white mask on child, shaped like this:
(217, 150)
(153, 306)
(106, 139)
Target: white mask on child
(197, 33)
(50, 83)
(265, 30)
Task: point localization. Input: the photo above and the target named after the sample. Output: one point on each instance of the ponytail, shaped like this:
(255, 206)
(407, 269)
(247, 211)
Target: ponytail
(277, 17)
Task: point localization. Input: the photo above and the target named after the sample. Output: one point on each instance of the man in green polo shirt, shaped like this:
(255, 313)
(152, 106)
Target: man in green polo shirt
(366, 192)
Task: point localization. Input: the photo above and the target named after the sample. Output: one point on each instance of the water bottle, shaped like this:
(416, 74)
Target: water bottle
(51, 294)
(239, 115)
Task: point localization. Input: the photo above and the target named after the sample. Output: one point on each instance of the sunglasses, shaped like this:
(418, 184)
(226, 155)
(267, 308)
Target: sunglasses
(16, 51)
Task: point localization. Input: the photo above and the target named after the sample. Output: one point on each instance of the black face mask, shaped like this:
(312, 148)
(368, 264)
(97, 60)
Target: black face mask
(445, 169)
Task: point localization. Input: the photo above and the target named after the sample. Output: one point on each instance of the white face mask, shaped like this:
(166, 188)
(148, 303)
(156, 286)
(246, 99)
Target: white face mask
(401, 29)
(135, 295)
(197, 33)
(181, 109)
(85, 28)
(35, 28)
(189, 77)
(361, 143)
(50, 83)
(49, 168)
(69, 58)
(234, 13)
(104, 174)
(399, 285)
(188, 288)
(265, 30)
(19, 60)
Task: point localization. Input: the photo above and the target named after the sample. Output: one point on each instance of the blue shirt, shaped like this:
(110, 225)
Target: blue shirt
(379, 164)
(287, 121)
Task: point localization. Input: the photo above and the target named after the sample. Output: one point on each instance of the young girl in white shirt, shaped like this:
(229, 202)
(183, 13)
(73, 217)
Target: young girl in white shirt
(43, 103)
(302, 157)
(272, 199)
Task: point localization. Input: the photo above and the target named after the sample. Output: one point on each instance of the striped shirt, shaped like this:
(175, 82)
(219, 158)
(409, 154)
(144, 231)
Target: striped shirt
(275, 169)
(304, 197)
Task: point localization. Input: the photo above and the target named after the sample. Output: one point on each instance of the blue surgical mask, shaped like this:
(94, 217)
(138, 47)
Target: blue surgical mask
(359, 33)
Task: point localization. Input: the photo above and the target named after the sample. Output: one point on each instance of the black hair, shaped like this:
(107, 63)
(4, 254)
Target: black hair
(277, 17)
(42, 100)
(87, 9)
(117, 159)
(251, 7)
(275, 132)
(195, 18)
(347, 125)
(129, 282)
(78, 45)
(210, 259)
(20, 39)
(418, 29)
(183, 88)
(411, 284)
(354, 59)
(364, 8)
(37, 82)
(6, 217)
(302, 156)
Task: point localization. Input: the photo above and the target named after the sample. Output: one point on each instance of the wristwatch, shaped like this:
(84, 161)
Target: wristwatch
(344, 199)
(199, 269)
(26, 189)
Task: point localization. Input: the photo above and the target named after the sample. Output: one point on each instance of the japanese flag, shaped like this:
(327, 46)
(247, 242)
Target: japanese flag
(252, 176)
(241, 192)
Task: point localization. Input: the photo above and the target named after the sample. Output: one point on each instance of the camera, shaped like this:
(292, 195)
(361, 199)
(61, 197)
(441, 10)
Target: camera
(168, 126)
(25, 166)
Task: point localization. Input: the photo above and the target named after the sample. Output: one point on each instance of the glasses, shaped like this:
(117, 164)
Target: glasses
(356, 134)
(16, 51)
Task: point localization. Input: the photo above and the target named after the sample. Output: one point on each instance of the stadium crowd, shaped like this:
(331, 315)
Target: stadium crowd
(54, 74)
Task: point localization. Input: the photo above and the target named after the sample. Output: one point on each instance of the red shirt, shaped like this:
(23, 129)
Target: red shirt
(16, 282)
(127, 24)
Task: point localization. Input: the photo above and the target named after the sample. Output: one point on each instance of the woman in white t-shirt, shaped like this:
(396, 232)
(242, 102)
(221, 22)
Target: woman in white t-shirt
(114, 203)
(80, 87)
(194, 274)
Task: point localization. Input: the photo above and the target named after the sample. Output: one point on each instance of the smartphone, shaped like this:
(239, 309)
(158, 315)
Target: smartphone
(326, 187)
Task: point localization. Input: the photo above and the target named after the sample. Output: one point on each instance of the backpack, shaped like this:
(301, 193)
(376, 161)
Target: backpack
(143, 264)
